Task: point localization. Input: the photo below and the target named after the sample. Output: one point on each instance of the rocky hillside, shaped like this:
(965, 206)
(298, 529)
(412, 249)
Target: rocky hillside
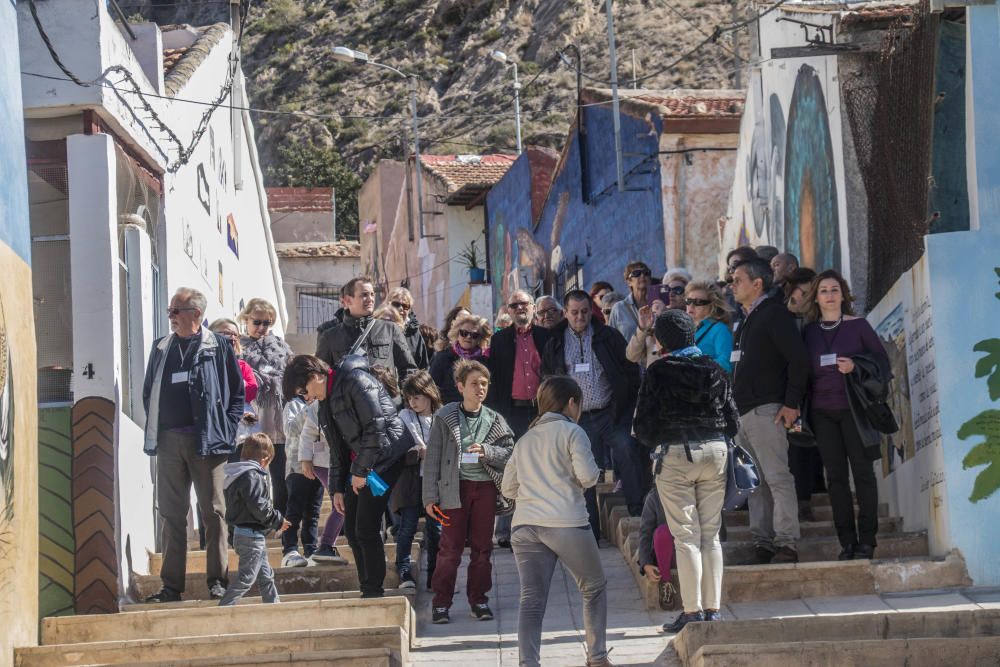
(466, 102)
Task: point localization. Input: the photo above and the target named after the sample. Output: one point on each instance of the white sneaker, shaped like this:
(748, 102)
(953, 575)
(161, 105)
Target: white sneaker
(293, 559)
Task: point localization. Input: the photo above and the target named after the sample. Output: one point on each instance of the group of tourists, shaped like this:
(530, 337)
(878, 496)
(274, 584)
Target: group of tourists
(499, 436)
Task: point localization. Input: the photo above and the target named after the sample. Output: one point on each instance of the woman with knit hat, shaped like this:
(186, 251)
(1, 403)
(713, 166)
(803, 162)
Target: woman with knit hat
(685, 413)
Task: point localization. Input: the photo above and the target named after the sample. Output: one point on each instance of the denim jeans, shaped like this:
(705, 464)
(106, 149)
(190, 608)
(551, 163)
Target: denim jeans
(536, 550)
(408, 518)
(305, 500)
(607, 437)
(251, 547)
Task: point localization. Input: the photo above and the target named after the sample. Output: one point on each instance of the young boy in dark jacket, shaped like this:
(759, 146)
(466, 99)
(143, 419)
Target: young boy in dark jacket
(250, 510)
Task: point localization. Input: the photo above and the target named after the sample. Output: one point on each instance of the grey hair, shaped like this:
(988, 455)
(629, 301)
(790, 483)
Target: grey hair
(193, 297)
(678, 273)
(611, 298)
(547, 297)
(523, 293)
(759, 268)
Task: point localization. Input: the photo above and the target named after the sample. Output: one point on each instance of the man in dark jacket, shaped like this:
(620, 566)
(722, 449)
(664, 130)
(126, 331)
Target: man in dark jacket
(191, 373)
(594, 355)
(402, 300)
(251, 513)
(770, 372)
(385, 346)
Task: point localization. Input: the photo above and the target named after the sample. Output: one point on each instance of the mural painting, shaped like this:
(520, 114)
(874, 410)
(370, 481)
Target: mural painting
(811, 221)
(899, 446)
(986, 424)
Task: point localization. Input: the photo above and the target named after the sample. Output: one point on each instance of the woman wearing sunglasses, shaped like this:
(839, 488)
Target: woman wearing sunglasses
(676, 281)
(708, 308)
(625, 314)
(468, 338)
(268, 355)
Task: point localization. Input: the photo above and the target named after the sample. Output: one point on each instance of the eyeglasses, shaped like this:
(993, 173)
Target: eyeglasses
(518, 304)
(399, 305)
(261, 323)
(178, 311)
(547, 312)
(474, 335)
(697, 302)
(676, 291)
(606, 311)
(635, 273)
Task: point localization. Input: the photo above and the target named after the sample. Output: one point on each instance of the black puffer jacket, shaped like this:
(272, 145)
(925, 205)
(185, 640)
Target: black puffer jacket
(358, 417)
(248, 501)
(418, 346)
(385, 345)
(684, 398)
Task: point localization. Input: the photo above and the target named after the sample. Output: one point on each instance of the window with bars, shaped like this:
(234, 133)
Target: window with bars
(316, 306)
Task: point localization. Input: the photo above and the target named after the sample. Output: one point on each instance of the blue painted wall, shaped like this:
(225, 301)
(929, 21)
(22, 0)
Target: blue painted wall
(984, 184)
(602, 234)
(950, 189)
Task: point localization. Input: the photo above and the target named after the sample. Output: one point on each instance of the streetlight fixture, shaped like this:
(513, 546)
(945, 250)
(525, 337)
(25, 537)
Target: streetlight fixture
(347, 55)
(501, 57)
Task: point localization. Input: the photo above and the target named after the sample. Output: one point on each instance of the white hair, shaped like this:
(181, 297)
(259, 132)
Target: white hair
(546, 297)
(193, 297)
(678, 273)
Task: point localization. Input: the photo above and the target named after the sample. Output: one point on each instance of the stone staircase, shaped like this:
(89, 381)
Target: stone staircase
(366, 633)
(843, 620)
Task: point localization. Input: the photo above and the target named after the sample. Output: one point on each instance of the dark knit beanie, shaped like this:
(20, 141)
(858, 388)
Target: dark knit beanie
(674, 330)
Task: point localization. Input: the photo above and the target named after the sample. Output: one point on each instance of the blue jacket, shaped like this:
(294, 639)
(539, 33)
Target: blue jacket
(715, 340)
(215, 385)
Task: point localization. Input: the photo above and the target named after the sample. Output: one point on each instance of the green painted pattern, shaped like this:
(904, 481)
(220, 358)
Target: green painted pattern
(56, 545)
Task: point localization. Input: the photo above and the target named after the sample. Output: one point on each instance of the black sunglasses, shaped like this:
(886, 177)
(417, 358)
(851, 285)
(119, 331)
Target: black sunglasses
(399, 305)
(474, 335)
(676, 291)
(261, 323)
(697, 302)
(178, 311)
(518, 304)
(635, 273)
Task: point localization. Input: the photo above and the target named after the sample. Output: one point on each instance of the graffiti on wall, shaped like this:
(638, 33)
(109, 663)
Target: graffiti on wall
(7, 442)
(786, 192)
(899, 446)
(986, 424)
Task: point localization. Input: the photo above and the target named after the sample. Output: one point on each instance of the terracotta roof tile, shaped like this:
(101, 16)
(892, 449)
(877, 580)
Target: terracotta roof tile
(180, 63)
(300, 199)
(318, 249)
(474, 171)
(679, 103)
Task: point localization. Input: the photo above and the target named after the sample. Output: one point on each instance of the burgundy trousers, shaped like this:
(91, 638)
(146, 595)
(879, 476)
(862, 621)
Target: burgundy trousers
(473, 521)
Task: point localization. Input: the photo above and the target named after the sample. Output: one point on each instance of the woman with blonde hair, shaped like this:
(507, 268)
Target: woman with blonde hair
(401, 299)
(389, 314)
(546, 476)
(468, 338)
(268, 355)
(712, 314)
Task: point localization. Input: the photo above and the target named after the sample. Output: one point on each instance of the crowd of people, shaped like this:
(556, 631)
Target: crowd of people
(497, 436)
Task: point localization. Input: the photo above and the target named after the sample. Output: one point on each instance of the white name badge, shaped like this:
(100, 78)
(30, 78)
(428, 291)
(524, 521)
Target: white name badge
(470, 457)
(177, 378)
(828, 360)
(735, 356)
(581, 368)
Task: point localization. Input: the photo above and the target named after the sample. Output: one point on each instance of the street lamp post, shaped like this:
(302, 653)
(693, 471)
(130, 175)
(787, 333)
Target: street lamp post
(344, 54)
(501, 57)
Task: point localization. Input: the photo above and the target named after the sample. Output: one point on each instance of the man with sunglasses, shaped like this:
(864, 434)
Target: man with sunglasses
(625, 314)
(190, 372)
(385, 345)
(593, 354)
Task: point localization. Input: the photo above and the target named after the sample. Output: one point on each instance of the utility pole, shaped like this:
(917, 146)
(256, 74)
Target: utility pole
(236, 94)
(737, 66)
(333, 203)
(416, 155)
(635, 85)
(517, 107)
(614, 98)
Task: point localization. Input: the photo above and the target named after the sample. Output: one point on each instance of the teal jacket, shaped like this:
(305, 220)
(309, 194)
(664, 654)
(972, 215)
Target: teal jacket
(715, 340)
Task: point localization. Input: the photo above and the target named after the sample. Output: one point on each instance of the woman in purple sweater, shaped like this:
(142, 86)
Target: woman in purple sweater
(833, 335)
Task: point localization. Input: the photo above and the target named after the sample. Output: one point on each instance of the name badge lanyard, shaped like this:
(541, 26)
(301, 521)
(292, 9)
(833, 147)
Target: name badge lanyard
(828, 341)
(738, 345)
(184, 354)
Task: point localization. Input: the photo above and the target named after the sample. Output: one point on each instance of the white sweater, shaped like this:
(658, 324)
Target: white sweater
(548, 472)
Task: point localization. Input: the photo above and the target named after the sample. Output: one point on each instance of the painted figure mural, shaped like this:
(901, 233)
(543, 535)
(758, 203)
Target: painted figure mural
(811, 222)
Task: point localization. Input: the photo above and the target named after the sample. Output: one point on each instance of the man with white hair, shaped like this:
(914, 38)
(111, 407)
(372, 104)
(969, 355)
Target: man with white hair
(193, 395)
(548, 312)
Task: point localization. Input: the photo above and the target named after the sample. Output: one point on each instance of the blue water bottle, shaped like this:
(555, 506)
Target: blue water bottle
(376, 484)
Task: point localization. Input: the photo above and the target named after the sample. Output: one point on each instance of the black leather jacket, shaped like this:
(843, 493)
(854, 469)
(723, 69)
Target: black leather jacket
(867, 393)
(358, 417)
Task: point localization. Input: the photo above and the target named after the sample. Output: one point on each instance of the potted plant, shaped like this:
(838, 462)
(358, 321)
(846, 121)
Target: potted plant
(470, 257)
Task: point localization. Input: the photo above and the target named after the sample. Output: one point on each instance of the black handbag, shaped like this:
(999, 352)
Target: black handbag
(801, 433)
(742, 478)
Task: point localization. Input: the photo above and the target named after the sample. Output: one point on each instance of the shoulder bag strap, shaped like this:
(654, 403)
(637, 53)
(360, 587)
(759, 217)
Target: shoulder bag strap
(705, 332)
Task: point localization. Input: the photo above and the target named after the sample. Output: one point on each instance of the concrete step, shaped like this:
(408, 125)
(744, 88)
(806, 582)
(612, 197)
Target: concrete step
(319, 579)
(909, 652)
(822, 513)
(886, 526)
(256, 599)
(372, 657)
(852, 627)
(196, 560)
(239, 619)
(760, 583)
(216, 649)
